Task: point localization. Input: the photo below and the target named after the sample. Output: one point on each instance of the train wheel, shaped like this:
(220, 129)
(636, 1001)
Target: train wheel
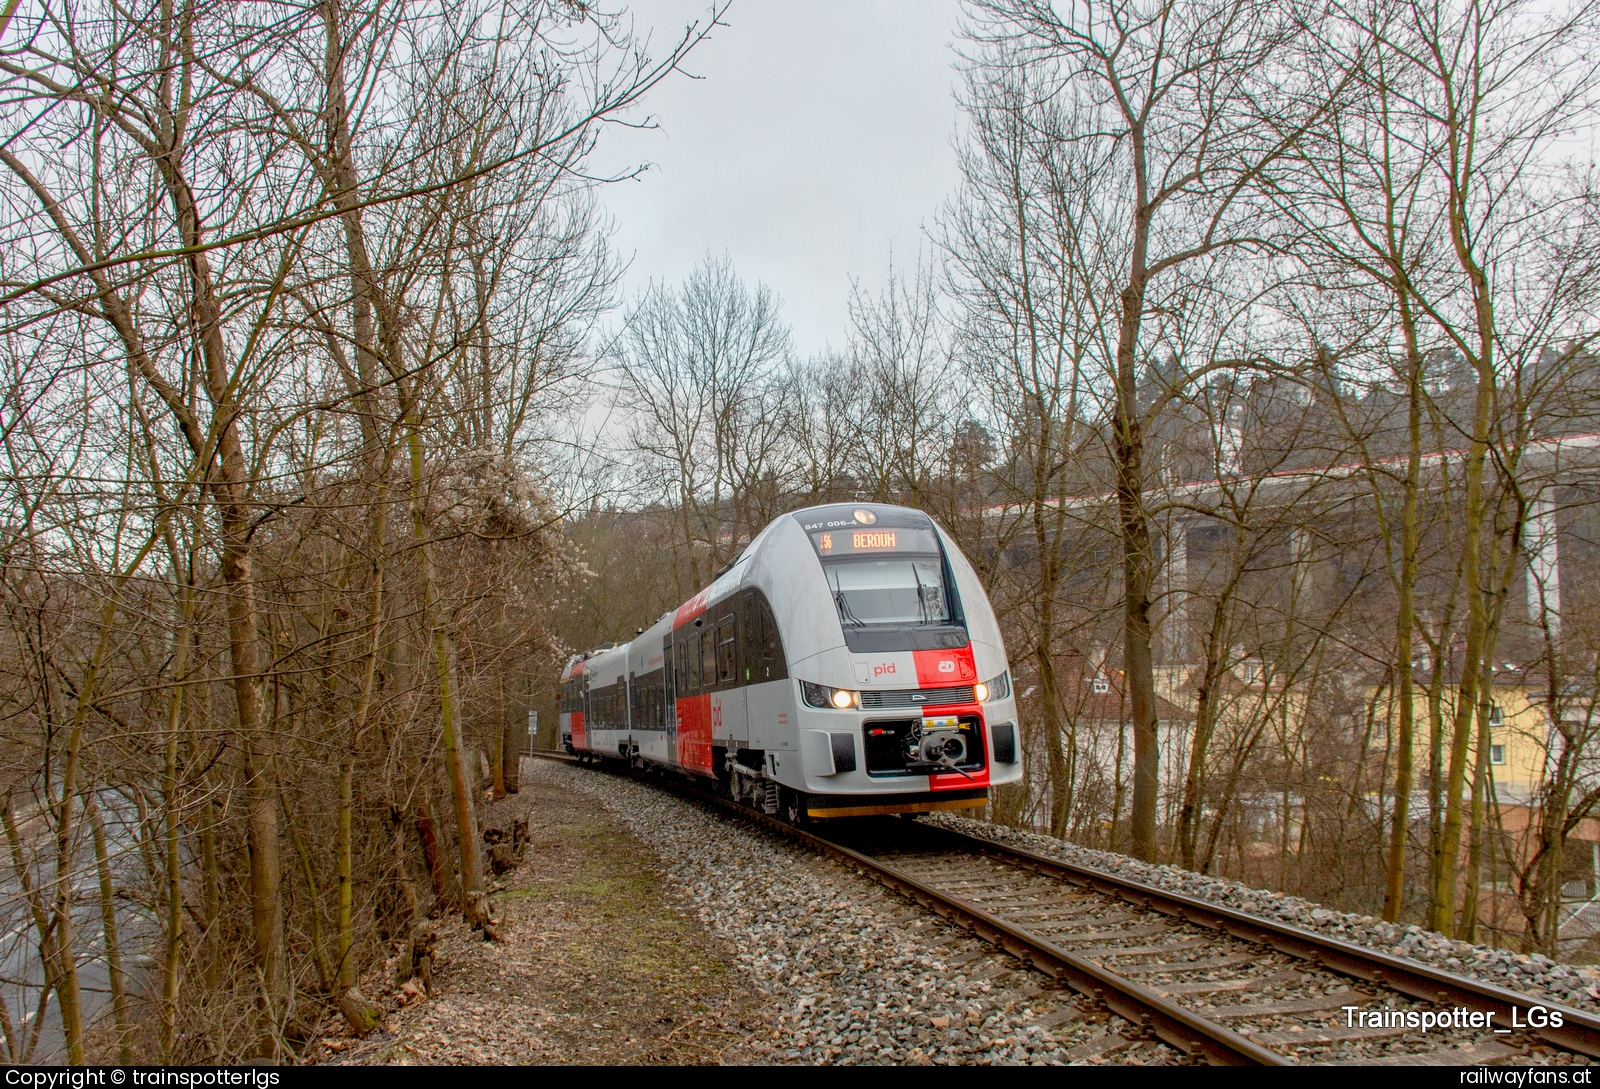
(794, 807)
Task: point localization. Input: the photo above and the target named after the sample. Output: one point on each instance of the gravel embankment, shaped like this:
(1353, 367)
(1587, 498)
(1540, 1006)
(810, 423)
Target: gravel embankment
(862, 976)
(1532, 974)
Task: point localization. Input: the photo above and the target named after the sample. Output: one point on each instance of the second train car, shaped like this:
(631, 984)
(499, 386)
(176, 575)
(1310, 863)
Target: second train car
(847, 663)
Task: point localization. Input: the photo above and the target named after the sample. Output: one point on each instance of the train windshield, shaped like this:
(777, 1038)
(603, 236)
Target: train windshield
(903, 590)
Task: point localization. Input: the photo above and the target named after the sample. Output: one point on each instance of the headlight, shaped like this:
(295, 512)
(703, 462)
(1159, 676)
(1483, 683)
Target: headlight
(995, 688)
(820, 695)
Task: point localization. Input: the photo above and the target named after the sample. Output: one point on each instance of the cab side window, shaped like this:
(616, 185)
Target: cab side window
(769, 664)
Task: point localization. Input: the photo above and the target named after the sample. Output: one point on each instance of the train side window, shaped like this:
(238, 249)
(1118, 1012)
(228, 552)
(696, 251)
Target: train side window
(749, 638)
(708, 658)
(694, 666)
(725, 649)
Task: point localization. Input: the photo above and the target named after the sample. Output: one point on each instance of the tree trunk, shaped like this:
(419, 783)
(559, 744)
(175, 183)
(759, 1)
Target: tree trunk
(49, 960)
(67, 978)
(378, 520)
(1205, 718)
(1466, 704)
(1460, 130)
(108, 922)
(1501, 586)
(473, 904)
(171, 964)
(1138, 667)
(1405, 621)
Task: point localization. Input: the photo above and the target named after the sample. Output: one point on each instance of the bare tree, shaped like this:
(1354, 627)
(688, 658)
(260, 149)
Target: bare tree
(1173, 89)
(697, 363)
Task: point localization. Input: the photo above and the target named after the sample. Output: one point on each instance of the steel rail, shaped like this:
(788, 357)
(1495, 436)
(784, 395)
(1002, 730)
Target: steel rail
(1578, 1031)
(1174, 1024)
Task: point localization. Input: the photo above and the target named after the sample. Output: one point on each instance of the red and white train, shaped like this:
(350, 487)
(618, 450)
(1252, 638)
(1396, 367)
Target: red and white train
(847, 663)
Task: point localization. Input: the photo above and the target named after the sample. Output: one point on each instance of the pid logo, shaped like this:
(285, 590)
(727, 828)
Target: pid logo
(883, 669)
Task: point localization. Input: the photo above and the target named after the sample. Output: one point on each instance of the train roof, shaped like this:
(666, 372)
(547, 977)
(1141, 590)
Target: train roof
(865, 514)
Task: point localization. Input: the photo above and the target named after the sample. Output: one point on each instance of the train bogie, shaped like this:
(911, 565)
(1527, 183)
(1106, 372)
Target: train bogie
(847, 663)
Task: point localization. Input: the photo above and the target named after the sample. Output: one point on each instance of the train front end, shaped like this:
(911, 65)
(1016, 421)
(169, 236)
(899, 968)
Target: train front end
(902, 692)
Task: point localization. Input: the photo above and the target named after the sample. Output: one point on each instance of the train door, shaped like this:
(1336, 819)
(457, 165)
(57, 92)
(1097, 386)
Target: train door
(669, 673)
(728, 725)
(694, 650)
(580, 718)
(623, 718)
(768, 707)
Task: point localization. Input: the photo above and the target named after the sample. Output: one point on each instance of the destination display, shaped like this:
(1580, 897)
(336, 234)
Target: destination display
(849, 541)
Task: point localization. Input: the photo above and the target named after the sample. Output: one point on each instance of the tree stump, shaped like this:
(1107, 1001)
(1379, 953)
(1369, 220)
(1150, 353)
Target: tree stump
(360, 1012)
(417, 963)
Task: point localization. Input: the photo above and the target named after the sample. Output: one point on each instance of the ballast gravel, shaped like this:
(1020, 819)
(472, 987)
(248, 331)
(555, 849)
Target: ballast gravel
(861, 975)
(1532, 974)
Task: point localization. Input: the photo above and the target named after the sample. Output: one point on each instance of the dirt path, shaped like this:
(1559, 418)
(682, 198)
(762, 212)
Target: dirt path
(598, 964)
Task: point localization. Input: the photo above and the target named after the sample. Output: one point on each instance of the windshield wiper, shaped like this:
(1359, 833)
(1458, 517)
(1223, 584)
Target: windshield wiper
(925, 592)
(845, 612)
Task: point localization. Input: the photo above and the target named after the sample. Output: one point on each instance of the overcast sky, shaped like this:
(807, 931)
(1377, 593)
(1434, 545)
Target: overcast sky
(818, 138)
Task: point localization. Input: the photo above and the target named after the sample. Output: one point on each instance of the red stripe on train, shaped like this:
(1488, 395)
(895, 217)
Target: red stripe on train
(938, 668)
(691, 608)
(954, 780)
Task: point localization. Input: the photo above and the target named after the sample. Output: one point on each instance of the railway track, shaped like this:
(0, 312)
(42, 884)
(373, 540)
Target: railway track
(1218, 985)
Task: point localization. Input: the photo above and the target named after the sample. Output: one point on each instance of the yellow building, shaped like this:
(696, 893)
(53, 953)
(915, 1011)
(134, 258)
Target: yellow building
(1519, 730)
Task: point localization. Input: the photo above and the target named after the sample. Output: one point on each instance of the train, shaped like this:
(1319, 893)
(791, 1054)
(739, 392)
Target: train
(847, 663)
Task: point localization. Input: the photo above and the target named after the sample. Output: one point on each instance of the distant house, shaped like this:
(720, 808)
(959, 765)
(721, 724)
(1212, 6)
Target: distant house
(1099, 725)
(1519, 728)
(1522, 740)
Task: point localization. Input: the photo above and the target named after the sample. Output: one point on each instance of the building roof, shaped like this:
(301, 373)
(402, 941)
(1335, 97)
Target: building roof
(1081, 692)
